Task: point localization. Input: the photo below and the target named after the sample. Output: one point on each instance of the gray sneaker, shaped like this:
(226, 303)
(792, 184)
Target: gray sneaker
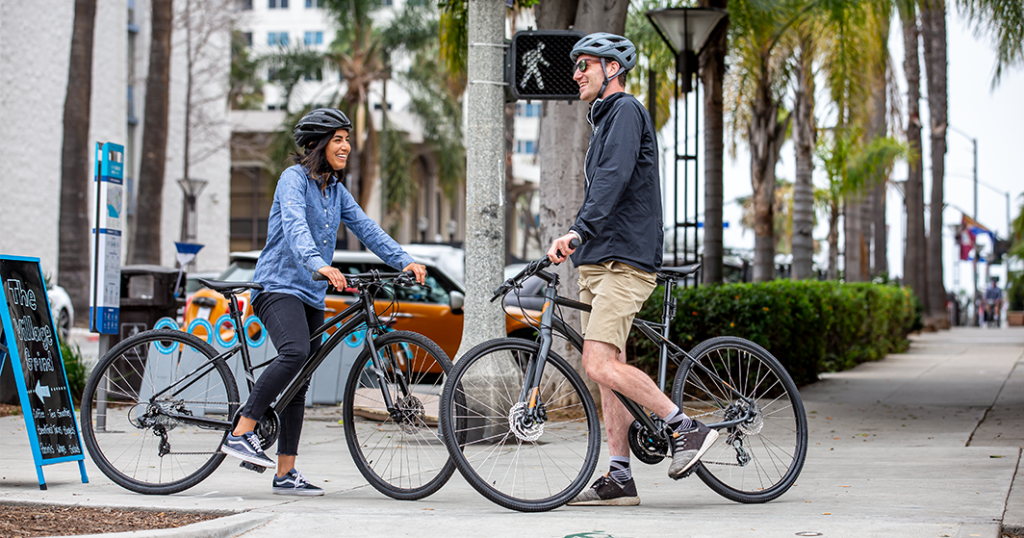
(294, 483)
(247, 447)
(607, 492)
(688, 446)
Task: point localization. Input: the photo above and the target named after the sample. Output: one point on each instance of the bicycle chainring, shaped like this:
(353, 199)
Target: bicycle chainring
(646, 446)
(517, 423)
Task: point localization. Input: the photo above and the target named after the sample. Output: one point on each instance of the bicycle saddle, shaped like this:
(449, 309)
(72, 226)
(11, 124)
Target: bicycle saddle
(221, 286)
(673, 273)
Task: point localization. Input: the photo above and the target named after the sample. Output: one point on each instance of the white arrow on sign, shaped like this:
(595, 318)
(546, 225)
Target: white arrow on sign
(43, 391)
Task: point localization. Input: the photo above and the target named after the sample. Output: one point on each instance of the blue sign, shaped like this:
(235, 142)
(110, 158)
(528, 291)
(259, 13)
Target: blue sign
(105, 299)
(29, 339)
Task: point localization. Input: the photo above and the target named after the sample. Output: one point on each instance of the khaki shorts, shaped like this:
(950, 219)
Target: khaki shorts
(616, 291)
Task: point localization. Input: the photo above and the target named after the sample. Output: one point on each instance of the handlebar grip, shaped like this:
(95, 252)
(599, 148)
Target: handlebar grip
(319, 277)
(574, 243)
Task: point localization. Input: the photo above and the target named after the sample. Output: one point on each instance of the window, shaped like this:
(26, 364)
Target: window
(314, 3)
(314, 38)
(528, 147)
(277, 4)
(528, 110)
(318, 75)
(245, 5)
(247, 38)
(277, 38)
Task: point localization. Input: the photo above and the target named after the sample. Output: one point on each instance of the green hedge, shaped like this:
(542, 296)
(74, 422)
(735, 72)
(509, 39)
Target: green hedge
(810, 326)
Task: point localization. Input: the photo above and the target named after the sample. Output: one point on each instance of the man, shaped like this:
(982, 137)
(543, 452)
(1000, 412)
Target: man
(993, 302)
(620, 231)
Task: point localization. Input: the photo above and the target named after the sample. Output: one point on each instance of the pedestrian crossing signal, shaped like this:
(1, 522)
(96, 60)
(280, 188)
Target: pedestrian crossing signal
(540, 65)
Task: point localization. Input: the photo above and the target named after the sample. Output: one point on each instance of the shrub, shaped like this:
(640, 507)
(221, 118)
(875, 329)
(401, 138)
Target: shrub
(74, 368)
(1015, 291)
(810, 326)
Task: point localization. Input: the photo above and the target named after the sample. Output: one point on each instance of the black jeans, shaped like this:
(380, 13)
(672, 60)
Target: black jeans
(289, 322)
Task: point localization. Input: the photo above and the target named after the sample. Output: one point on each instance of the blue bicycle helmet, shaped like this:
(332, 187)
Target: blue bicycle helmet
(606, 47)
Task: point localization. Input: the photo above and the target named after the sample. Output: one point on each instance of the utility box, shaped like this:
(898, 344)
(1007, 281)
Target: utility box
(147, 294)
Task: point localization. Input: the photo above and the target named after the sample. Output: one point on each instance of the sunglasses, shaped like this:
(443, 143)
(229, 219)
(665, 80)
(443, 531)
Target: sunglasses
(582, 65)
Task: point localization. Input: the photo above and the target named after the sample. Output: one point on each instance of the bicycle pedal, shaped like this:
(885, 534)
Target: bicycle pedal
(252, 467)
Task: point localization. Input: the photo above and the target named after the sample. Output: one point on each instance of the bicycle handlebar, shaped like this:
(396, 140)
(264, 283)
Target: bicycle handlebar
(531, 269)
(360, 280)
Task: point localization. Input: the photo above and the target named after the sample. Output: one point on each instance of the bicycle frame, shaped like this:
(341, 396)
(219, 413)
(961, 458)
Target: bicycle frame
(358, 313)
(656, 332)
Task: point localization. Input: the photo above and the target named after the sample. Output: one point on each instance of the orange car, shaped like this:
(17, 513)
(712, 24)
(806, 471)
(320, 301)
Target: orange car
(436, 314)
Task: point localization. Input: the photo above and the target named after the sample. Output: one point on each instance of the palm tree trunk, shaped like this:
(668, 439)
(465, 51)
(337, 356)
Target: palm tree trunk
(914, 261)
(147, 242)
(833, 240)
(73, 260)
(804, 137)
(878, 128)
(712, 70)
(766, 134)
(933, 16)
(853, 238)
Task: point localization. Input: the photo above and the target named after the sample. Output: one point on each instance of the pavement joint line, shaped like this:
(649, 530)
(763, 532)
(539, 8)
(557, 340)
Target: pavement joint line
(1013, 519)
(994, 400)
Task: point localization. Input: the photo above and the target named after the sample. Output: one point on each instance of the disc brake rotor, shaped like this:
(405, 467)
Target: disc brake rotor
(524, 432)
(412, 413)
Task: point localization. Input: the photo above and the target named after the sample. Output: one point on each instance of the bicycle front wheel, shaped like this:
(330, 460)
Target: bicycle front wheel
(759, 459)
(398, 449)
(155, 411)
(518, 464)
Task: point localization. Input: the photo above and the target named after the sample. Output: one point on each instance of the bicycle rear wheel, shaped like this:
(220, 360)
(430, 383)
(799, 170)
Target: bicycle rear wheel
(757, 460)
(133, 404)
(525, 467)
(399, 452)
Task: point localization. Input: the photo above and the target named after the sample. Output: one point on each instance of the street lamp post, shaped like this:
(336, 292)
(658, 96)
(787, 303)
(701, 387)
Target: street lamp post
(685, 31)
(191, 188)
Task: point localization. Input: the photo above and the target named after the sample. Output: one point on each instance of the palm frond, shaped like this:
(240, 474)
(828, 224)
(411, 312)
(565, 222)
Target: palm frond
(1003, 20)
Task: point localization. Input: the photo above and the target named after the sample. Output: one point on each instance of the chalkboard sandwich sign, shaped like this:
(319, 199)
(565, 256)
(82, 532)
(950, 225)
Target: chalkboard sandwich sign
(30, 342)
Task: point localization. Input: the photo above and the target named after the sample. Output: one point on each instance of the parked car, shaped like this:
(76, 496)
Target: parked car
(62, 310)
(436, 313)
(451, 259)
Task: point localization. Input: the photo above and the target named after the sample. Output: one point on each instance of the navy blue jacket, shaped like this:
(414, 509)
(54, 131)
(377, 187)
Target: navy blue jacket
(621, 217)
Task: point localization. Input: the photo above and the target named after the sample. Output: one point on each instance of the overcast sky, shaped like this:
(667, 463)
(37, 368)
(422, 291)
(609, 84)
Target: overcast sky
(994, 116)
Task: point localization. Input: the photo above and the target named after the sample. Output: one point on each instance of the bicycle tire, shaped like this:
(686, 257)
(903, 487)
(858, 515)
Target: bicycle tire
(401, 456)
(124, 440)
(519, 467)
(775, 439)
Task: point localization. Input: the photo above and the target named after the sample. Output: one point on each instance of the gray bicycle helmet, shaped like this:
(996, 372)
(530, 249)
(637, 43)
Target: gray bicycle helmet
(605, 45)
(318, 123)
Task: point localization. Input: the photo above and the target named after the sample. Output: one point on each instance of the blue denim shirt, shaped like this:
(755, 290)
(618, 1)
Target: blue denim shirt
(302, 231)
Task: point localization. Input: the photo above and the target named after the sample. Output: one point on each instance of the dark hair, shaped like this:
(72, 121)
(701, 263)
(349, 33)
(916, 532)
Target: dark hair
(315, 160)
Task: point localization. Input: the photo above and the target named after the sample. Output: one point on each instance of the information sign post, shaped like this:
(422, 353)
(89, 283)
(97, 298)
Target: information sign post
(29, 339)
(105, 296)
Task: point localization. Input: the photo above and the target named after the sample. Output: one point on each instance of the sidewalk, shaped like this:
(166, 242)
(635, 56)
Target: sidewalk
(921, 444)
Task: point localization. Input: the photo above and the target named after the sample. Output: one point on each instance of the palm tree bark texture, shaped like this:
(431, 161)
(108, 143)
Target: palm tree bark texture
(933, 19)
(712, 72)
(804, 141)
(766, 135)
(146, 241)
(914, 261)
(73, 259)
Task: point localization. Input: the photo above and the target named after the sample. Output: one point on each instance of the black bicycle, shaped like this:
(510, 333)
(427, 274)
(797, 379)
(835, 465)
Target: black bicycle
(158, 406)
(523, 430)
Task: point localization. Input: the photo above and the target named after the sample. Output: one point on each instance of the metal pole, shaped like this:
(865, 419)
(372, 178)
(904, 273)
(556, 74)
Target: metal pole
(974, 265)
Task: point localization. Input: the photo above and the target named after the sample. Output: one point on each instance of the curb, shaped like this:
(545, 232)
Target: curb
(223, 527)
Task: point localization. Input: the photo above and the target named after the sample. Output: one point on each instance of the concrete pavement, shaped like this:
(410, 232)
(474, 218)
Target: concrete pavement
(922, 444)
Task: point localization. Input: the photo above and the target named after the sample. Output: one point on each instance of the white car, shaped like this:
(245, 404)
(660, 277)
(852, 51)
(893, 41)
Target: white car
(451, 259)
(63, 311)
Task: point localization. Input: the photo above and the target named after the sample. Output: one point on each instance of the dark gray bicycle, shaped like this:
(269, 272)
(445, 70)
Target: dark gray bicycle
(158, 406)
(523, 430)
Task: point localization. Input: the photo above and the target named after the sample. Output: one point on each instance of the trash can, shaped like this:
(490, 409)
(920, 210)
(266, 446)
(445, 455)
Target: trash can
(147, 294)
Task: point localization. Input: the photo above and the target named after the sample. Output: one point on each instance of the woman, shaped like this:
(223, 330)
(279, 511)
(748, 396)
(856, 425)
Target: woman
(309, 203)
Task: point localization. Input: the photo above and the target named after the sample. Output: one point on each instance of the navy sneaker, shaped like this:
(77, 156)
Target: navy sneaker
(688, 446)
(607, 492)
(246, 447)
(294, 483)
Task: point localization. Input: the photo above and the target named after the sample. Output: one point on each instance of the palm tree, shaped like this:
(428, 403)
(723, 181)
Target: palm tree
(933, 30)
(1004, 19)
(805, 138)
(914, 262)
(362, 55)
(145, 243)
(761, 60)
(73, 259)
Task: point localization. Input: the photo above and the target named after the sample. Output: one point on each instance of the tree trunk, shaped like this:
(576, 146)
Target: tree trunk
(147, 241)
(766, 134)
(914, 261)
(878, 128)
(712, 71)
(853, 238)
(804, 140)
(73, 260)
(933, 16)
(833, 240)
